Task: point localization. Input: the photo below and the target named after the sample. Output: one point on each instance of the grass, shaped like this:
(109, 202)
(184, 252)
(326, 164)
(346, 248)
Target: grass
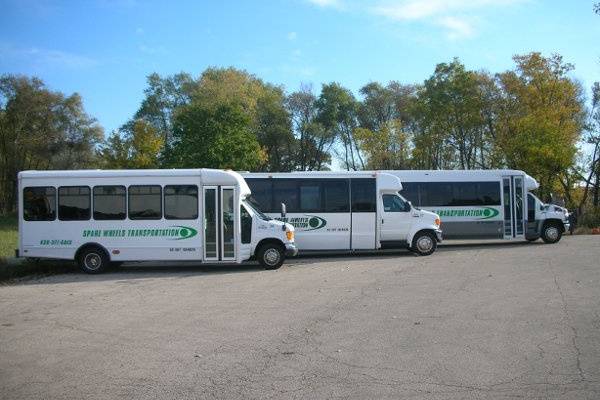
(8, 236)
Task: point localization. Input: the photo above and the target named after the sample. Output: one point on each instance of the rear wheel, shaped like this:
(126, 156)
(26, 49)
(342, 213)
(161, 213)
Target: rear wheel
(271, 255)
(93, 260)
(551, 233)
(424, 243)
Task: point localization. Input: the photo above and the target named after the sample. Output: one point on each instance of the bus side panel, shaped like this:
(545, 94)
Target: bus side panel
(472, 229)
(124, 240)
(319, 231)
(364, 226)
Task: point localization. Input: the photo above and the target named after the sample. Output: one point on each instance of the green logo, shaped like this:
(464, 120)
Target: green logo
(185, 232)
(315, 222)
(481, 213)
(306, 223)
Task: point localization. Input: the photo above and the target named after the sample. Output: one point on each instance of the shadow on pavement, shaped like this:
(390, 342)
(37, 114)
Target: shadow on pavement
(183, 269)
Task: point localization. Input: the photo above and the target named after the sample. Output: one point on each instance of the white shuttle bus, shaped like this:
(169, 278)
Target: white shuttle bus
(103, 217)
(346, 211)
(485, 204)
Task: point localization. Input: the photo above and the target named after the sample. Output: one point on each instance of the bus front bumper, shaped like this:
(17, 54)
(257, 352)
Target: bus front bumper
(291, 250)
(438, 235)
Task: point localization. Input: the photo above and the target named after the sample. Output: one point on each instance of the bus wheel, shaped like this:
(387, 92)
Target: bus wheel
(551, 233)
(270, 255)
(424, 243)
(93, 260)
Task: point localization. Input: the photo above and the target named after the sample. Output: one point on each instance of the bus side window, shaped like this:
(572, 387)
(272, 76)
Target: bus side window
(530, 208)
(246, 220)
(39, 203)
(363, 194)
(74, 203)
(145, 202)
(262, 194)
(336, 197)
(109, 203)
(181, 201)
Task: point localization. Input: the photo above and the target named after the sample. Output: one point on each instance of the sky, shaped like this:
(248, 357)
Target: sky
(104, 49)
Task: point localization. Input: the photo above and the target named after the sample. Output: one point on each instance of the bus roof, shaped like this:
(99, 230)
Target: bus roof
(207, 175)
(386, 182)
(461, 175)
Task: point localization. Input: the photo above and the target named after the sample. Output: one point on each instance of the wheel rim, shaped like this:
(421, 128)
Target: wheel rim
(552, 233)
(92, 261)
(271, 256)
(424, 244)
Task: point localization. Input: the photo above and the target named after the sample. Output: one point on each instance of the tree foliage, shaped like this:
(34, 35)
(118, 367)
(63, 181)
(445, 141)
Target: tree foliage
(41, 129)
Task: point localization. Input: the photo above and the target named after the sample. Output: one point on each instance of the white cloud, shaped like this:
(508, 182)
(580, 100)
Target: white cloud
(456, 28)
(40, 57)
(292, 35)
(456, 17)
(139, 31)
(327, 3)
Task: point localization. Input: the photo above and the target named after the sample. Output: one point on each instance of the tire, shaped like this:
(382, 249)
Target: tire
(551, 233)
(424, 243)
(93, 260)
(270, 255)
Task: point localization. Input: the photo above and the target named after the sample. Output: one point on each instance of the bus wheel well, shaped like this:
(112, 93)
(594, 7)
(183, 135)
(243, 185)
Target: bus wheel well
(91, 246)
(267, 241)
(430, 231)
(555, 221)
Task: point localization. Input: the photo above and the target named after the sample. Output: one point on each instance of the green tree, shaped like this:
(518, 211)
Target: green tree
(138, 149)
(313, 142)
(215, 138)
(41, 129)
(263, 104)
(453, 119)
(541, 119)
(337, 113)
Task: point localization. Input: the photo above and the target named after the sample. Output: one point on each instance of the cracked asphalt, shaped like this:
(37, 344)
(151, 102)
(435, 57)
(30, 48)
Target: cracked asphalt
(511, 320)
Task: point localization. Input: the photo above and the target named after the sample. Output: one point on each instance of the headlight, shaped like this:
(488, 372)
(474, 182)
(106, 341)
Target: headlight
(437, 222)
(289, 235)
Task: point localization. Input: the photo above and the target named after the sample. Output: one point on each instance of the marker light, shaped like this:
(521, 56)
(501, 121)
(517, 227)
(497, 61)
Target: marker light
(289, 235)
(437, 222)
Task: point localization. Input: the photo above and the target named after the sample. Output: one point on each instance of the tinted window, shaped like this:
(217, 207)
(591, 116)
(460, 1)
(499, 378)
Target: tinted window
(530, 208)
(410, 191)
(109, 202)
(363, 195)
(310, 195)
(262, 193)
(74, 203)
(145, 202)
(393, 203)
(285, 191)
(181, 202)
(39, 204)
(454, 194)
(246, 220)
(336, 198)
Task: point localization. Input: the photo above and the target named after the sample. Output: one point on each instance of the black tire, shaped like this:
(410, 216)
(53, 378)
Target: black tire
(93, 260)
(271, 255)
(551, 232)
(424, 243)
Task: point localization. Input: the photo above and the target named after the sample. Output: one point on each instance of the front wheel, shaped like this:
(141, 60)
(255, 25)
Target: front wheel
(424, 243)
(551, 233)
(270, 255)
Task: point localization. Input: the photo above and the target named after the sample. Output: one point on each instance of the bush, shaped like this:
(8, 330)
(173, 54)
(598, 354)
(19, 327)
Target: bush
(590, 218)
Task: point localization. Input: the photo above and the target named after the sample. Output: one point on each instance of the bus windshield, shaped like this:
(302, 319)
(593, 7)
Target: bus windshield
(251, 203)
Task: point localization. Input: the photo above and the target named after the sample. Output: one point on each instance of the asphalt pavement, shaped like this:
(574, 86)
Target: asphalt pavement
(500, 320)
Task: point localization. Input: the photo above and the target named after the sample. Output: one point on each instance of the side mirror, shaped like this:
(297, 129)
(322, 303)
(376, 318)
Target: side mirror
(283, 210)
